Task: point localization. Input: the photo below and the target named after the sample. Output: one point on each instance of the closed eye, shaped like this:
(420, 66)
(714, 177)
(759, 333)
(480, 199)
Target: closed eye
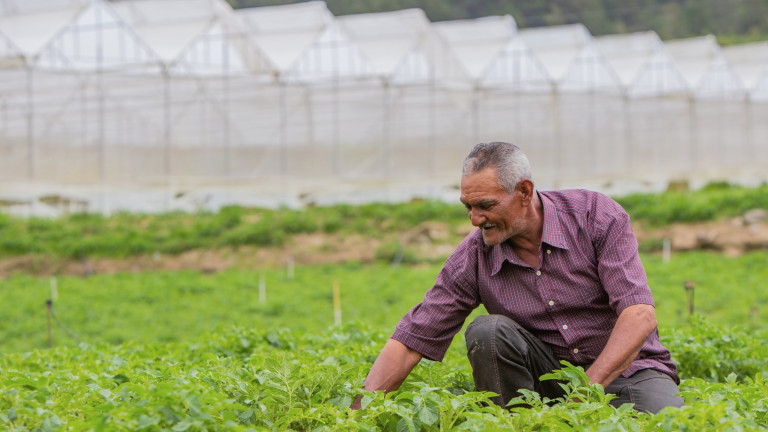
(483, 205)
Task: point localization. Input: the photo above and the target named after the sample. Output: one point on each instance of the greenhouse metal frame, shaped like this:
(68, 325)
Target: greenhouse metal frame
(151, 105)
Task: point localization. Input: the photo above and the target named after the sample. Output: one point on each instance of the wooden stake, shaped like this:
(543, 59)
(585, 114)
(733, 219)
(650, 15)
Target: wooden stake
(48, 304)
(666, 250)
(54, 289)
(336, 304)
(289, 268)
(690, 286)
(262, 289)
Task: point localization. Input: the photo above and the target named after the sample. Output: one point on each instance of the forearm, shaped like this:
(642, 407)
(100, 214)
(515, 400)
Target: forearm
(390, 368)
(632, 328)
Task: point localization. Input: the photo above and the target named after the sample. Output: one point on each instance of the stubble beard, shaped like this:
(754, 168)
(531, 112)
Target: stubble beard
(516, 228)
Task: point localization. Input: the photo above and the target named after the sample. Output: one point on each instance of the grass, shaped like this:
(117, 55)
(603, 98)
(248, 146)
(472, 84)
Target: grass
(170, 306)
(81, 235)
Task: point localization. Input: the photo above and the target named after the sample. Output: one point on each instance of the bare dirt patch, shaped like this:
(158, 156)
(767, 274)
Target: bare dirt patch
(429, 241)
(732, 237)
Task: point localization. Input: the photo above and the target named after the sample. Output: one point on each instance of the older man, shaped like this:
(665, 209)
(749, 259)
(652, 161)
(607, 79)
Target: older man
(561, 279)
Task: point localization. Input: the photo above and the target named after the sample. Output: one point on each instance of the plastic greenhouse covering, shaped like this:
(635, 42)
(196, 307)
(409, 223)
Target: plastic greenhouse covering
(750, 62)
(152, 105)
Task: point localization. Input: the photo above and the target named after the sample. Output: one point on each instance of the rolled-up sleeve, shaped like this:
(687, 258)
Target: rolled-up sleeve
(430, 326)
(619, 267)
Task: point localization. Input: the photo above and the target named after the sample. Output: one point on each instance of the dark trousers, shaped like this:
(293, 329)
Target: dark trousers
(505, 358)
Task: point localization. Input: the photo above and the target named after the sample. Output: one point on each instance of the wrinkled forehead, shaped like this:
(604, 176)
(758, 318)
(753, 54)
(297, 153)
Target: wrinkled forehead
(480, 184)
(486, 177)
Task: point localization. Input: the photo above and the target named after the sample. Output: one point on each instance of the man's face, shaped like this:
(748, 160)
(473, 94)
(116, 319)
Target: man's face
(490, 207)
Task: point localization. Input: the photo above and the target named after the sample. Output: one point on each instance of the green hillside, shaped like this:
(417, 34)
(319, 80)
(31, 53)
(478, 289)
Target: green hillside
(671, 19)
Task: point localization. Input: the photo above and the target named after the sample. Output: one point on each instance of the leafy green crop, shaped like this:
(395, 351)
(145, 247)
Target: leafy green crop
(240, 379)
(193, 351)
(714, 201)
(79, 236)
(730, 291)
(86, 235)
(710, 353)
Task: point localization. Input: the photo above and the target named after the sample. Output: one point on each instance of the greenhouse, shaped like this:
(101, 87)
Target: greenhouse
(167, 104)
(750, 63)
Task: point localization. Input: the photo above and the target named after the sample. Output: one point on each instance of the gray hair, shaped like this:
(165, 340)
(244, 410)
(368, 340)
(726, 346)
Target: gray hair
(510, 162)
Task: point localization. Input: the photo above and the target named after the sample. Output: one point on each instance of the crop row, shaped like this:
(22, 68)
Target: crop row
(246, 379)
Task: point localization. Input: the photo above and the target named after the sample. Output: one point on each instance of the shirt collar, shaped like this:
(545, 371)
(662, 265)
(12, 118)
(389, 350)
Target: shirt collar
(500, 253)
(552, 234)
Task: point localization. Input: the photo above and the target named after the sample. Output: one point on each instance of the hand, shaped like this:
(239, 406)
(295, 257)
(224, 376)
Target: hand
(356, 404)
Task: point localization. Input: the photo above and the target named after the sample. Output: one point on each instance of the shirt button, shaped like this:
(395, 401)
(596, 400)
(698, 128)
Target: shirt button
(565, 327)
(575, 350)
(538, 272)
(549, 251)
(551, 302)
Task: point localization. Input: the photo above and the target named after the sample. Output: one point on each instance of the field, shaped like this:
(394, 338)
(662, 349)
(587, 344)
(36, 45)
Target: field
(267, 349)
(195, 351)
(178, 306)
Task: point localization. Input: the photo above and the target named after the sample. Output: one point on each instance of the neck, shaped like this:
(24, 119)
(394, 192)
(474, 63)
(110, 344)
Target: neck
(531, 238)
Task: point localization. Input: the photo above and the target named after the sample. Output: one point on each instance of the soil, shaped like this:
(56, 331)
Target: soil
(428, 241)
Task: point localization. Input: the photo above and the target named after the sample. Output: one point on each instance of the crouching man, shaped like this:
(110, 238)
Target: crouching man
(560, 276)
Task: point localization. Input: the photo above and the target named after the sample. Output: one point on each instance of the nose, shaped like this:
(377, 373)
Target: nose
(476, 217)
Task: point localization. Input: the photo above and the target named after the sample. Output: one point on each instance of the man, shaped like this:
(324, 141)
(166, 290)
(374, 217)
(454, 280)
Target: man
(561, 279)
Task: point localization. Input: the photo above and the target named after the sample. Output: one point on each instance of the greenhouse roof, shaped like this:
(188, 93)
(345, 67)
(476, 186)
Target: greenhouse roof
(35, 6)
(516, 67)
(71, 35)
(557, 46)
(642, 64)
(284, 33)
(30, 25)
(197, 37)
(304, 42)
(704, 67)
(403, 47)
(387, 38)
(332, 55)
(628, 53)
(168, 26)
(750, 61)
(10, 56)
(477, 42)
(570, 57)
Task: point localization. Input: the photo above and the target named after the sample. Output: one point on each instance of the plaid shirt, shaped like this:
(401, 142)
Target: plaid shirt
(589, 272)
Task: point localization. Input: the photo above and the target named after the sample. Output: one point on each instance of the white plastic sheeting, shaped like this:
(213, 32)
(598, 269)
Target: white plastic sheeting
(705, 68)
(10, 55)
(31, 25)
(503, 69)
(570, 57)
(403, 48)
(424, 91)
(303, 42)
(750, 62)
(655, 115)
(290, 104)
(477, 42)
(85, 72)
(642, 64)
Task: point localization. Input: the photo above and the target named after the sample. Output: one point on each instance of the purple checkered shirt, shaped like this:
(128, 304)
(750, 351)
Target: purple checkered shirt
(589, 273)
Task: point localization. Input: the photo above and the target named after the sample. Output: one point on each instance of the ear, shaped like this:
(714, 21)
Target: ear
(526, 188)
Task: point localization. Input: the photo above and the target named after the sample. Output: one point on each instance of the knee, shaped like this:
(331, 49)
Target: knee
(487, 330)
(649, 390)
